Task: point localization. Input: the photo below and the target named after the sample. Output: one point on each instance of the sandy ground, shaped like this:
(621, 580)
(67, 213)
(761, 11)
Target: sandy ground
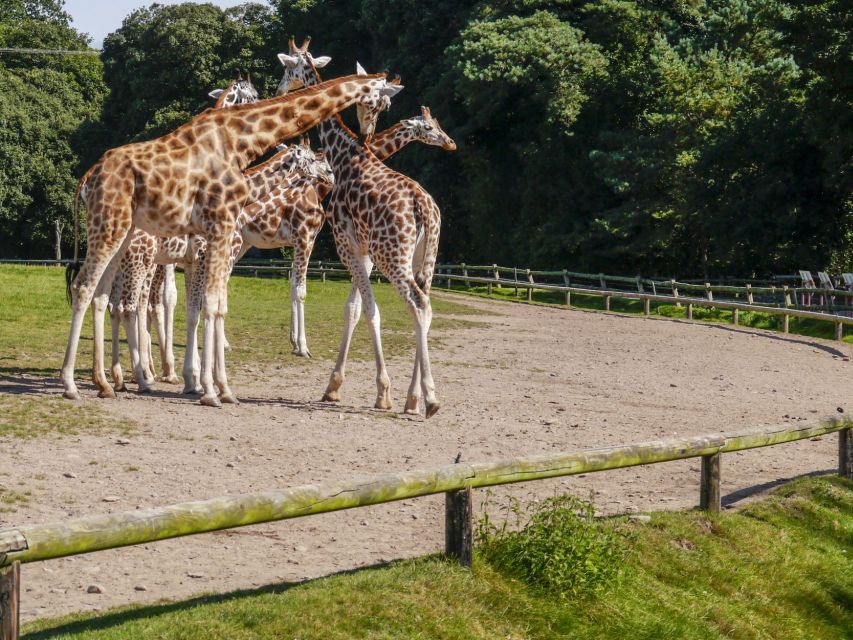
(534, 380)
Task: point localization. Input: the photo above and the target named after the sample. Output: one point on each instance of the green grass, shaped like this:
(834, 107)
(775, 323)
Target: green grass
(34, 321)
(757, 320)
(25, 416)
(778, 569)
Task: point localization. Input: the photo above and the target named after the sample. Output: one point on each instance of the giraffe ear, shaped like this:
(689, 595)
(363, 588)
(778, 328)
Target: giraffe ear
(391, 90)
(281, 147)
(321, 61)
(216, 93)
(359, 69)
(288, 60)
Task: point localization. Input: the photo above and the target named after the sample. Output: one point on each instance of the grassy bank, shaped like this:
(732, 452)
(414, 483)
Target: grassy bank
(780, 569)
(34, 320)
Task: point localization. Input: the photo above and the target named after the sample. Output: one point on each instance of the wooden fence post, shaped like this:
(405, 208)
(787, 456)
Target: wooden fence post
(735, 316)
(449, 272)
(640, 285)
(602, 281)
(749, 293)
(845, 453)
(497, 274)
(459, 526)
(529, 289)
(10, 597)
(690, 311)
(567, 283)
(465, 275)
(607, 303)
(839, 331)
(675, 292)
(515, 278)
(785, 318)
(646, 307)
(708, 293)
(709, 490)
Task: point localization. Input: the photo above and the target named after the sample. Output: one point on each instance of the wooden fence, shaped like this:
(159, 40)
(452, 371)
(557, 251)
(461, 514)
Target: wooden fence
(33, 543)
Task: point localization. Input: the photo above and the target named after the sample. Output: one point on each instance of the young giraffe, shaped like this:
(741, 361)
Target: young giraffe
(311, 172)
(191, 181)
(292, 215)
(129, 298)
(379, 217)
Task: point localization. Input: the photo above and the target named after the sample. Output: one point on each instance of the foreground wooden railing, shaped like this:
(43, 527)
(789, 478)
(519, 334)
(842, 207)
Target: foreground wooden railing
(33, 543)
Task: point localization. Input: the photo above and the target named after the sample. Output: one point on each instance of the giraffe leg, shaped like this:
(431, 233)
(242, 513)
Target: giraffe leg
(98, 268)
(131, 329)
(352, 313)
(192, 362)
(143, 332)
(170, 301)
(299, 276)
(413, 397)
(117, 373)
(99, 377)
(215, 309)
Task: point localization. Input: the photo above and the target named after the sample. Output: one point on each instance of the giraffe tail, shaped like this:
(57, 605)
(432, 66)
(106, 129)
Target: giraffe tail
(73, 268)
(428, 222)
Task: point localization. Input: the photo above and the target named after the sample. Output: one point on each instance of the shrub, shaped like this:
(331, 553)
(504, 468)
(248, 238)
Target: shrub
(554, 544)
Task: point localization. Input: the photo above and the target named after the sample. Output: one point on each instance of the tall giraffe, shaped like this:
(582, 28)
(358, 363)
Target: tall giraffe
(191, 181)
(135, 276)
(379, 217)
(423, 128)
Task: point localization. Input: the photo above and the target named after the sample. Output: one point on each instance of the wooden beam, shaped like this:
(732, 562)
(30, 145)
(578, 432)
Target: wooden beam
(845, 454)
(709, 489)
(459, 526)
(94, 533)
(10, 601)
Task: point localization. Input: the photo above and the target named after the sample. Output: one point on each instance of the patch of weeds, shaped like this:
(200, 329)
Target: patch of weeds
(10, 500)
(131, 469)
(555, 545)
(23, 416)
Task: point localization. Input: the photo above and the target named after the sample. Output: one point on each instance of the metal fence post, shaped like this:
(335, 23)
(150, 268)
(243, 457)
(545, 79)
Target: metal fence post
(459, 526)
(10, 598)
(709, 489)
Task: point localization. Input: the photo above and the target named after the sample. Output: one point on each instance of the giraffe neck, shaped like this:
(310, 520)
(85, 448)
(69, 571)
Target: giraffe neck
(388, 142)
(267, 175)
(251, 129)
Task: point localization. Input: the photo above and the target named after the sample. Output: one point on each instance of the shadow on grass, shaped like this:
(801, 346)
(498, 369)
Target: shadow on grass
(123, 616)
(741, 494)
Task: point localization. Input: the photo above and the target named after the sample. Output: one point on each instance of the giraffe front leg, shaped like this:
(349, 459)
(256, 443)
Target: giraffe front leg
(99, 377)
(170, 301)
(215, 309)
(352, 313)
(413, 397)
(146, 358)
(117, 373)
(194, 279)
(131, 329)
(299, 276)
(422, 315)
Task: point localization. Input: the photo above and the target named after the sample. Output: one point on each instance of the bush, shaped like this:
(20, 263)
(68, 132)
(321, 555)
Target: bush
(554, 544)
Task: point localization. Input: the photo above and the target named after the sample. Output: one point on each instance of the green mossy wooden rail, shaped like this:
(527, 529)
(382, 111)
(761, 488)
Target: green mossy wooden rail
(32, 543)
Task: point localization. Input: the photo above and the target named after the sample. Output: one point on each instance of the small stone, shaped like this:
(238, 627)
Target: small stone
(673, 385)
(640, 517)
(140, 587)
(839, 409)
(414, 516)
(195, 574)
(122, 441)
(548, 423)
(110, 499)
(68, 474)
(233, 439)
(231, 465)
(94, 588)
(300, 548)
(364, 523)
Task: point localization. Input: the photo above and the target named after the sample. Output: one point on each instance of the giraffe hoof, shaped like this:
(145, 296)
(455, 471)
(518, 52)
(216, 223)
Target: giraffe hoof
(192, 391)
(432, 408)
(331, 396)
(382, 403)
(106, 393)
(412, 404)
(229, 398)
(120, 388)
(143, 390)
(172, 379)
(71, 394)
(210, 401)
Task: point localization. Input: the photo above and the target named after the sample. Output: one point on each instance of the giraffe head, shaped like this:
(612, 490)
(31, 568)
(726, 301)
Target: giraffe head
(240, 91)
(369, 110)
(300, 69)
(311, 164)
(426, 129)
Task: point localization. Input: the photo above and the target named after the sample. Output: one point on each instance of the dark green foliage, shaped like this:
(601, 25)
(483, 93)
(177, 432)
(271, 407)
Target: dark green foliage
(555, 545)
(668, 138)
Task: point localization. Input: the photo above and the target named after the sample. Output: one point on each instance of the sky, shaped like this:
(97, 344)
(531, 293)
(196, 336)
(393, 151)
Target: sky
(99, 17)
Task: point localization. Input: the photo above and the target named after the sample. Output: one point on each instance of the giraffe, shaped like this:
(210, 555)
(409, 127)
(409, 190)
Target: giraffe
(134, 282)
(311, 173)
(423, 128)
(191, 181)
(381, 217)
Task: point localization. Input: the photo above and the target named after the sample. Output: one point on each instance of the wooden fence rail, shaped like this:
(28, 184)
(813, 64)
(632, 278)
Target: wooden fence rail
(32, 543)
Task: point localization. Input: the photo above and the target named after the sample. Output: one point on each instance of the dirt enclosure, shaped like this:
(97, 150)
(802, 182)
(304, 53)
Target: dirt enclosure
(532, 380)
